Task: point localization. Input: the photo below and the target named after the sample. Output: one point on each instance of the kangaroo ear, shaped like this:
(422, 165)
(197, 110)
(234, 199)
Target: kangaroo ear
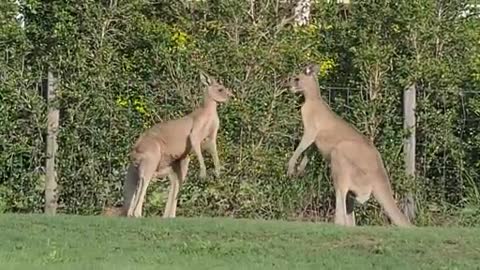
(311, 69)
(206, 79)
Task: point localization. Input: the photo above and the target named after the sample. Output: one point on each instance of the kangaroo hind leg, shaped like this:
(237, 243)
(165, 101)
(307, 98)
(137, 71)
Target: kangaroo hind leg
(177, 178)
(146, 171)
(342, 173)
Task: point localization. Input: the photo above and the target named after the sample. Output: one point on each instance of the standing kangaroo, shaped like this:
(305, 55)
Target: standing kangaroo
(357, 169)
(163, 150)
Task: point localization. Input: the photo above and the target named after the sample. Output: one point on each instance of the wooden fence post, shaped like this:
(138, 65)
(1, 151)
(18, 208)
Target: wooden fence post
(409, 105)
(51, 147)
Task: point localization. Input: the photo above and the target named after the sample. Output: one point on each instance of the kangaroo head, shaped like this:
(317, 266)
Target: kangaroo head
(304, 80)
(215, 90)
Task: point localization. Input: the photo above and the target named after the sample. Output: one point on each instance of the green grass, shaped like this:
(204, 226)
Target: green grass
(74, 242)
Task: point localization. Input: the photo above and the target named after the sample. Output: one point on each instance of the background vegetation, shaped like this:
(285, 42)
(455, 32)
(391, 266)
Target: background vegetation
(124, 65)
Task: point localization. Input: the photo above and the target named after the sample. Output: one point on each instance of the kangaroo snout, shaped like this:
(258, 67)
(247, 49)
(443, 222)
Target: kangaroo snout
(294, 84)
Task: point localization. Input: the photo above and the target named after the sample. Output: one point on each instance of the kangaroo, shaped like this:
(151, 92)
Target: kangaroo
(163, 150)
(357, 169)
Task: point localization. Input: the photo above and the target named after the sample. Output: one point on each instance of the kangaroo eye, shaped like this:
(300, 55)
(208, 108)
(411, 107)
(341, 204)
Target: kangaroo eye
(220, 90)
(297, 79)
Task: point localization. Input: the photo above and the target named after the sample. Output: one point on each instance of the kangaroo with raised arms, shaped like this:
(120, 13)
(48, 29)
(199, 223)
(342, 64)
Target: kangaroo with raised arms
(357, 169)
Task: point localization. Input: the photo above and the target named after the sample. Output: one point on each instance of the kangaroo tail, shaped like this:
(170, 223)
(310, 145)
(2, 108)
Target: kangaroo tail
(384, 195)
(130, 189)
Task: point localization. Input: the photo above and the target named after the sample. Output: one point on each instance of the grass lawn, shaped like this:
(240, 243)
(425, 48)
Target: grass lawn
(75, 242)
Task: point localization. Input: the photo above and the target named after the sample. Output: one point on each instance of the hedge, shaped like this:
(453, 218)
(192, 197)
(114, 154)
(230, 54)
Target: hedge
(126, 65)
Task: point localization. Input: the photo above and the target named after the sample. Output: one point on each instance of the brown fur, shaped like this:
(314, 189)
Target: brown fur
(356, 165)
(163, 150)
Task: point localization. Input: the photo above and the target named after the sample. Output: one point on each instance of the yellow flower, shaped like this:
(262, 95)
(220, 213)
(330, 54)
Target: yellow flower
(140, 106)
(312, 28)
(180, 39)
(121, 102)
(140, 109)
(326, 66)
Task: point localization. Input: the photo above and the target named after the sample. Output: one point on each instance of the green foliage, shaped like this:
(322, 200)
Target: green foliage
(22, 119)
(124, 66)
